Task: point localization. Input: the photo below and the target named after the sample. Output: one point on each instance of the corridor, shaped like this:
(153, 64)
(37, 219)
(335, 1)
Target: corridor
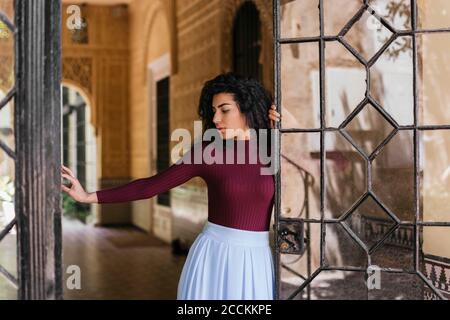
(119, 263)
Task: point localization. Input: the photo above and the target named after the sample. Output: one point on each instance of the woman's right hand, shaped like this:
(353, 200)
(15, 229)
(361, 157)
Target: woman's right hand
(76, 191)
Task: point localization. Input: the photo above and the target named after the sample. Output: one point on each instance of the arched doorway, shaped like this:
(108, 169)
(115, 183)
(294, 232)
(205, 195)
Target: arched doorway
(247, 41)
(79, 151)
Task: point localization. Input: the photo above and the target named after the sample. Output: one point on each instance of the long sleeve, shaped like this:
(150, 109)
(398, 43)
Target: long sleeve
(239, 196)
(144, 188)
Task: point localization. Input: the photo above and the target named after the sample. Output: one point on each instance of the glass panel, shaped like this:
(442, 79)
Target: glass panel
(300, 175)
(368, 129)
(433, 76)
(346, 175)
(7, 126)
(7, 173)
(299, 18)
(396, 12)
(369, 222)
(6, 58)
(433, 14)
(336, 285)
(391, 80)
(367, 35)
(300, 95)
(296, 268)
(8, 253)
(435, 168)
(8, 245)
(8, 257)
(333, 23)
(398, 286)
(7, 290)
(435, 263)
(345, 83)
(341, 250)
(393, 175)
(397, 251)
(7, 8)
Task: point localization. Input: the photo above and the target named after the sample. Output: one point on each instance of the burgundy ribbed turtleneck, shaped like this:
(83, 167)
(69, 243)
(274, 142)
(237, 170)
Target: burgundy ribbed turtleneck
(239, 196)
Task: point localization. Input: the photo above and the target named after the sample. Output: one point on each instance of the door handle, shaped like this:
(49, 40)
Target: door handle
(291, 237)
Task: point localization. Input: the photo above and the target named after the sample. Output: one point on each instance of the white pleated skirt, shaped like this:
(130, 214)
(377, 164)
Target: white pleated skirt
(228, 264)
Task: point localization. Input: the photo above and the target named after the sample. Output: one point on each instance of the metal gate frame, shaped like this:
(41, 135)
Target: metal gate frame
(37, 133)
(418, 224)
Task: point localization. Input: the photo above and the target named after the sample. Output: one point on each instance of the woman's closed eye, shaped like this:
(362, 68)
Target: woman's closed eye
(223, 110)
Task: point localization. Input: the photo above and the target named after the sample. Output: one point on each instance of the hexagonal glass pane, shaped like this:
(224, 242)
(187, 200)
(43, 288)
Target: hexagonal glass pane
(368, 129)
(341, 250)
(433, 76)
(435, 168)
(333, 23)
(396, 12)
(300, 85)
(299, 18)
(435, 260)
(300, 175)
(397, 250)
(391, 81)
(367, 35)
(345, 170)
(369, 222)
(393, 175)
(433, 14)
(345, 85)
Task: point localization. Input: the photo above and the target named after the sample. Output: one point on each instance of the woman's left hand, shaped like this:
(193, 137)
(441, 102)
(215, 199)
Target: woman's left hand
(273, 116)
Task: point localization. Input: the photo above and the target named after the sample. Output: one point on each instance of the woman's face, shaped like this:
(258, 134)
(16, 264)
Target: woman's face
(228, 118)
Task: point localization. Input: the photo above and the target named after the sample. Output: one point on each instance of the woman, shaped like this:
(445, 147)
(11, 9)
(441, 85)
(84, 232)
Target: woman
(231, 258)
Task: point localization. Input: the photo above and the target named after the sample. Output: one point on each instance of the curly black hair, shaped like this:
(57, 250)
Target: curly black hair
(252, 98)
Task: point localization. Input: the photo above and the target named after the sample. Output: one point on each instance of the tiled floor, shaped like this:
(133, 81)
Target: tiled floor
(119, 263)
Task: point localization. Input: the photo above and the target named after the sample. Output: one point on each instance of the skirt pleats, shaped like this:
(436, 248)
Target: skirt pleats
(228, 264)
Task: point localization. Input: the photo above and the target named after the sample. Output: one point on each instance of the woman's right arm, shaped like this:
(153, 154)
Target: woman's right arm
(76, 190)
(143, 188)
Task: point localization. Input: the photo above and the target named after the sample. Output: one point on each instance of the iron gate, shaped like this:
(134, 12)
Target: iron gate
(35, 93)
(373, 231)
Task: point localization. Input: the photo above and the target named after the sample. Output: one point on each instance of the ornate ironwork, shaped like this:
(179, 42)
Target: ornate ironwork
(405, 234)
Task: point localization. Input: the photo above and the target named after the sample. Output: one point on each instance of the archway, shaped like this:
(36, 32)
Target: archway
(247, 41)
(79, 149)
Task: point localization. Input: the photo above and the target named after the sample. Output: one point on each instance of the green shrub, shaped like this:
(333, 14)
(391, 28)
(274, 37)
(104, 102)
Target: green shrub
(74, 209)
